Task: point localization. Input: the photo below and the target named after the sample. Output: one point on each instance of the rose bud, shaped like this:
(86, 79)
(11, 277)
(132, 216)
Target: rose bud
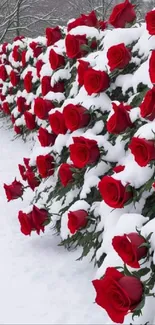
(14, 190)
(74, 45)
(77, 220)
(32, 180)
(39, 218)
(53, 35)
(56, 60)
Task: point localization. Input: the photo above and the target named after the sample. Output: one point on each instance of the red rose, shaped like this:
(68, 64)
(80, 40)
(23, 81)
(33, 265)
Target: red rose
(18, 38)
(59, 87)
(152, 67)
(42, 107)
(22, 171)
(53, 35)
(36, 48)
(147, 107)
(46, 139)
(6, 108)
(102, 24)
(14, 78)
(26, 162)
(26, 223)
(14, 190)
(21, 104)
(45, 165)
(30, 120)
(3, 73)
(65, 174)
(118, 56)
(13, 120)
(84, 152)
(46, 85)
(143, 150)
(118, 294)
(4, 47)
(39, 65)
(96, 81)
(150, 22)
(120, 114)
(118, 169)
(33, 221)
(84, 20)
(75, 116)
(16, 53)
(28, 82)
(57, 123)
(122, 13)
(77, 220)
(39, 218)
(128, 248)
(24, 58)
(74, 46)
(82, 68)
(113, 192)
(17, 129)
(56, 60)
(32, 180)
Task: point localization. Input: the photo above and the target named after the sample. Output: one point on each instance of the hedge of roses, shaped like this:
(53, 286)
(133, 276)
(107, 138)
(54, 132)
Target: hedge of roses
(86, 92)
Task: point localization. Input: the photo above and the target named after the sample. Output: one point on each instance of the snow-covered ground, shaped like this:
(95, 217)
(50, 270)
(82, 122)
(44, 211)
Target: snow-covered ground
(40, 283)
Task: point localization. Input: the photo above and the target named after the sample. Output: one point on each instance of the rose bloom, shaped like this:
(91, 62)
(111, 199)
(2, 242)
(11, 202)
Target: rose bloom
(84, 152)
(96, 81)
(42, 107)
(28, 82)
(122, 13)
(120, 114)
(46, 139)
(74, 45)
(14, 190)
(143, 150)
(30, 120)
(150, 22)
(82, 68)
(45, 165)
(128, 248)
(77, 220)
(65, 174)
(118, 56)
(147, 107)
(84, 20)
(56, 60)
(75, 116)
(53, 35)
(152, 67)
(113, 192)
(57, 123)
(3, 73)
(118, 294)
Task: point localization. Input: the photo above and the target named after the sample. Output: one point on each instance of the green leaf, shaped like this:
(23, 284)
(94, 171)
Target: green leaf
(141, 272)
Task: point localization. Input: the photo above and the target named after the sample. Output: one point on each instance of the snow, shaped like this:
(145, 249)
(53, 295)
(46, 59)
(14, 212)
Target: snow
(40, 282)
